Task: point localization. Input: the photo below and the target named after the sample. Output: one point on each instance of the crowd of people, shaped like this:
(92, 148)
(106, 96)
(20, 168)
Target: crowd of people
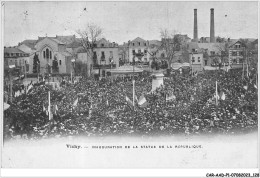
(183, 105)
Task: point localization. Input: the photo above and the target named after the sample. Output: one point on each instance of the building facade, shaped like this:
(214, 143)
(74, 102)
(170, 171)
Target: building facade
(236, 53)
(51, 51)
(105, 57)
(196, 61)
(14, 56)
(138, 45)
(28, 46)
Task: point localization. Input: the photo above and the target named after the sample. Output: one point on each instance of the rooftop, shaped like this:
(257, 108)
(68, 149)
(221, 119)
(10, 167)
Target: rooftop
(30, 43)
(138, 39)
(13, 50)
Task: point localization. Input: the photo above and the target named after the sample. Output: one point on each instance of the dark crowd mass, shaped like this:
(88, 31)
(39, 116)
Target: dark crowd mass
(183, 105)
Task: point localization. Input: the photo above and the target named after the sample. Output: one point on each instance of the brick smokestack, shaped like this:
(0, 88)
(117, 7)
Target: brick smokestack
(212, 29)
(195, 31)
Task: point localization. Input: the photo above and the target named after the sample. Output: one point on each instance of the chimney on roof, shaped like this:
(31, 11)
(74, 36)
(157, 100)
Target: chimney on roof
(212, 29)
(195, 31)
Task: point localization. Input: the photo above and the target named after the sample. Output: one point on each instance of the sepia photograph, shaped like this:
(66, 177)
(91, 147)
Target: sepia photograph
(130, 85)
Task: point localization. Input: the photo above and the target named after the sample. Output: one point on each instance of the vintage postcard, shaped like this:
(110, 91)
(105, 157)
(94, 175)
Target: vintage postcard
(130, 85)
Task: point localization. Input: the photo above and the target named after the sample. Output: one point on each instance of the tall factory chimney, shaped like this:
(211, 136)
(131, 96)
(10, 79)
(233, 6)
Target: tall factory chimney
(195, 31)
(212, 29)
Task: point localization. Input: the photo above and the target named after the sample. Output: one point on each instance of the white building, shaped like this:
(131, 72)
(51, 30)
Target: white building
(50, 49)
(138, 45)
(106, 57)
(196, 61)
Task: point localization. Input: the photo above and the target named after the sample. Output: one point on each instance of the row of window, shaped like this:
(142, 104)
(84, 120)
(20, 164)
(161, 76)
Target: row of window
(103, 53)
(139, 44)
(237, 46)
(16, 54)
(47, 54)
(237, 53)
(139, 51)
(193, 59)
(103, 45)
(237, 61)
(21, 62)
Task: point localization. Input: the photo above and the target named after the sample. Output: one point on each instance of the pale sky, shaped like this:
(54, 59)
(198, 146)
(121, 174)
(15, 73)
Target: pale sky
(123, 21)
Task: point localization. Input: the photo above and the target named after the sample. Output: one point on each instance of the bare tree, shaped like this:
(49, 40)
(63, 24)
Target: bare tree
(251, 52)
(185, 54)
(89, 38)
(171, 43)
(223, 51)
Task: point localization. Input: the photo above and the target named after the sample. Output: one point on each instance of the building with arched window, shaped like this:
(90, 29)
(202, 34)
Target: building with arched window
(55, 54)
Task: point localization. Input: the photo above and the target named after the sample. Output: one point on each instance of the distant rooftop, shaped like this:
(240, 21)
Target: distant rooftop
(13, 50)
(138, 39)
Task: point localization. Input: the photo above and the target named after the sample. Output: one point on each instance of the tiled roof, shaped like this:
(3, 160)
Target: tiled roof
(66, 53)
(57, 41)
(30, 43)
(74, 44)
(102, 40)
(13, 50)
(52, 38)
(212, 46)
(155, 42)
(183, 36)
(192, 45)
(66, 39)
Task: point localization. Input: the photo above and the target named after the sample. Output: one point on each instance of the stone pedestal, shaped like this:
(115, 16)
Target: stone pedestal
(157, 81)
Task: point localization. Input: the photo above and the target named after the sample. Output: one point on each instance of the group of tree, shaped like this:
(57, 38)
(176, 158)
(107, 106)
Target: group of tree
(159, 64)
(171, 43)
(251, 52)
(89, 38)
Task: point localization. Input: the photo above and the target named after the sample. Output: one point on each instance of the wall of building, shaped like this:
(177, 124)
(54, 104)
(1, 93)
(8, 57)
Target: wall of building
(109, 52)
(56, 50)
(86, 60)
(139, 46)
(63, 64)
(31, 53)
(236, 55)
(196, 61)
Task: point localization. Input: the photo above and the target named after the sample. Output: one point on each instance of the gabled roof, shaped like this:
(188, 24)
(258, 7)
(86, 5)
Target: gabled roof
(103, 40)
(51, 38)
(233, 43)
(138, 39)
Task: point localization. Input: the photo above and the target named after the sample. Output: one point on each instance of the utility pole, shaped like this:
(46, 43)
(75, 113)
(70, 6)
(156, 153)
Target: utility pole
(247, 63)
(11, 88)
(133, 83)
(72, 67)
(191, 64)
(11, 82)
